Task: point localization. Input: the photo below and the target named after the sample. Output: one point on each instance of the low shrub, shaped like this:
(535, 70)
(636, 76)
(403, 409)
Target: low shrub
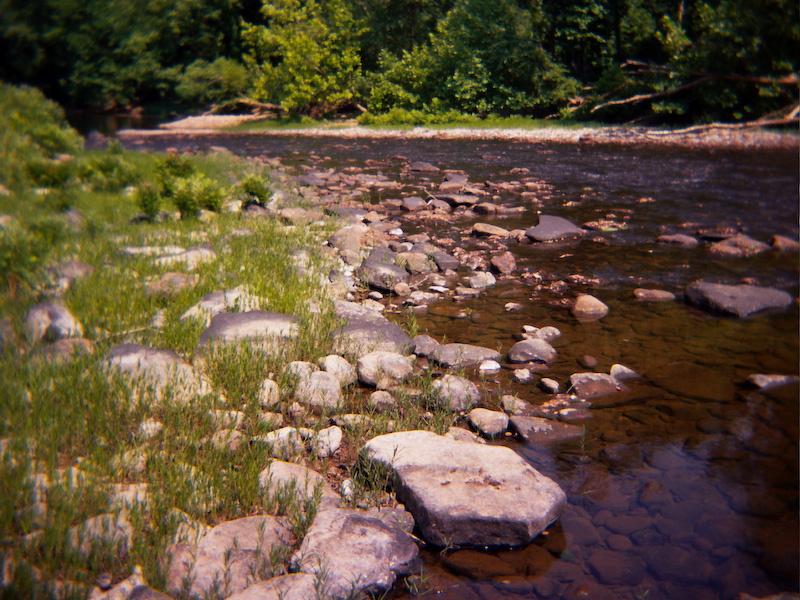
(255, 189)
(148, 199)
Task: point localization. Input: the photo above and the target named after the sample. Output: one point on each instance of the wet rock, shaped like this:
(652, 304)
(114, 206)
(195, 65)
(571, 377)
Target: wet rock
(515, 406)
(769, 382)
(320, 391)
(552, 228)
(522, 375)
(354, 553)
(367, 330)
(738, 246)
(456, 392)
(679, 239)
(262, 328)
(227, 559)
(482, 280)
(589, 308)
(296, 586)
(551, 386)
(504, 263)
(300, 216)
(622, 373)
(463, 435)
(51, 322)
(384, 369)
(415, 262)
(477, 565)
(594, 385)
(669, 563)
(445, 261)
(422, 167)
(489, 423)
(587, 361)
(536, 351)
(489, 367)
(616, 568)
(535, 430)
(284, 477)
(190, 258)
(459, 200)
(424, 345)
(462, 355)
(160, 371)
(337, 366)
(691, 380)
(785, 244)
(736, 300)
(468, 494)
(653, 295)
(414, 203)
(486, 229)
(171, 284)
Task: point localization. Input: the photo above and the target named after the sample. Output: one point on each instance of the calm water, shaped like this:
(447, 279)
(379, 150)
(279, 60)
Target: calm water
(687, 485)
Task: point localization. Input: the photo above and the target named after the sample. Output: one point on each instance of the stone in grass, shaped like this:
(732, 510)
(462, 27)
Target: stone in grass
(456, 393)
(107, 532)
(328, 441)
(284, 442)
(51, 322)
(171, 284)
(382, 400)
(535, 350)
(124, 589)
(366, 330)
(161, 371)
(468, 494)
(296, 586)
(269, 394)
(489, 423)
(462, 355)
(283, 478)
(738, 301)
(266, 329)
(190, 258)
(536, 430)
(589, 308)
(64, 351)
(228, 558)
(235, 300)
(384, 369)
(320, 391)
(339, 368)
(424, 345)
(354, 554)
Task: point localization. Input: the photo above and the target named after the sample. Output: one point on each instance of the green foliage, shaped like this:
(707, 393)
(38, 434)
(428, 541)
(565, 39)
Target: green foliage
(255, 188)
(107, 171)
(402, 116)
(307, 57)
(148, 199)
(203, 82)
(33, 131)
(23, 250)
(196, 192)
(169, 169)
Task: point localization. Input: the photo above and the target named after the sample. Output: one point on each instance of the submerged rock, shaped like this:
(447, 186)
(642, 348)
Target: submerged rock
(736, 300)
(594, 385)
(468, 494)
(536, 430)
(552, 228)
(589, 308)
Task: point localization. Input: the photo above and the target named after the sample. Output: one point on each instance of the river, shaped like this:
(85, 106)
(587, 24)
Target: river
(686, 486)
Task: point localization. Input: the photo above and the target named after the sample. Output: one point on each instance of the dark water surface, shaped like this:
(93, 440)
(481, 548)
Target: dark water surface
(687, 485)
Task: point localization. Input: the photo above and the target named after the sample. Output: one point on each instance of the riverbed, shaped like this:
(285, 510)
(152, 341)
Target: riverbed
(684, 486)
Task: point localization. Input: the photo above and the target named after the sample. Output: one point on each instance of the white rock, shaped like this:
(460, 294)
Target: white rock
(488, 422)
(268, 394)
(384, 369)
(328, 441)
(339, 368)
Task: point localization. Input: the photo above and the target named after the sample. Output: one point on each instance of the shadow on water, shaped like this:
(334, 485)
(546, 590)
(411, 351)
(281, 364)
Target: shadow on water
(685, 486)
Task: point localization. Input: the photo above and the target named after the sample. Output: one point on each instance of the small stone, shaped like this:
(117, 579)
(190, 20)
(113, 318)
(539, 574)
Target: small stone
(551, 386)
(339, 368)
(489, 423)
(535, 350)
(504, 263)
(515, 406)
(382, 400)
(150, 428)
(482, 280)
(384, 369)
(521, 375)
(456, 392)
(653, 295)
(621, 372)
(769, 382)
(328, 441)
(589, 308)
(512, 306)
(268, 394)
(488, 367)
(587, 361)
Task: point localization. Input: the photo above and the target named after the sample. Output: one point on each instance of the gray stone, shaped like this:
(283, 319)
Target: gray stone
(515, 406)
(320, 391)
(739, 301)
(228, 559)
(462, 355)
(381, 276)
(382, 401)
(268, 394)
(486, 229)
(51, 322)
(552, 228)
(535, 350)
(551, 386)
(594, 385)
(367, 330)
(589, 308)
(265, 329)
(455, 200)
(354, 553)
(235, 300)
(384, 369)
(171, 284)
(339, 368)
(300, 216)
(488, 367)
(328, 441)
(738, 246)
(64, 350)
(281, 477)
(622, 373)
(415, 262)
(548, 333)
(522, 375)
(190, 258)
(482, 280)
(535, 430)
(468, 494)
(414, 203)
(422, 167)
(285, 442)
(490, 423)
(162, 372)
(296, 586)
(445, 261)
(456, 392)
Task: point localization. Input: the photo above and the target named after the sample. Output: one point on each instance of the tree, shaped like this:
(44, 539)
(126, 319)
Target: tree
(306, 56)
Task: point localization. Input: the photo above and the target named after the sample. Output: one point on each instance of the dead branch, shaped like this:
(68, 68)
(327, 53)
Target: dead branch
(791, 120)
(245, 104)
(653, 96)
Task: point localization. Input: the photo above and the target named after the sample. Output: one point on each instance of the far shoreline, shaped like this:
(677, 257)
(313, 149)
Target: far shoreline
(714, 138)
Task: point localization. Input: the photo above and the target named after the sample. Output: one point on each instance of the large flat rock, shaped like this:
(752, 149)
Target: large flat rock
(536, 430)
(552, 228)
(366, 330)
(462, 355)
(736, 300)
(468, 494)
(259, 326)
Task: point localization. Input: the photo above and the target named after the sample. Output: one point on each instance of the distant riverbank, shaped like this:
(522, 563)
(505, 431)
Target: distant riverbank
(710, 138)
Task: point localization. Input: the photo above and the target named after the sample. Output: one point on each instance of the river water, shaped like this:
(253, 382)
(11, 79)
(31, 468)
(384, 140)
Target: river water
(686, 486)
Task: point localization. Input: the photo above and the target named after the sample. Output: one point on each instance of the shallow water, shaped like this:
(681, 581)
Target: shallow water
(687, 485)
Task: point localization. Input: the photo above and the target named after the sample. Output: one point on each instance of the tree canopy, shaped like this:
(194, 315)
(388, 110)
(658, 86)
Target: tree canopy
(674, 61)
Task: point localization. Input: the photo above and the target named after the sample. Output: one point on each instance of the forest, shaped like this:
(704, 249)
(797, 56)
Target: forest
(677, 62)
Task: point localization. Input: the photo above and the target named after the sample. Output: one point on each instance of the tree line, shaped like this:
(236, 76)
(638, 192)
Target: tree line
(672, 61)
